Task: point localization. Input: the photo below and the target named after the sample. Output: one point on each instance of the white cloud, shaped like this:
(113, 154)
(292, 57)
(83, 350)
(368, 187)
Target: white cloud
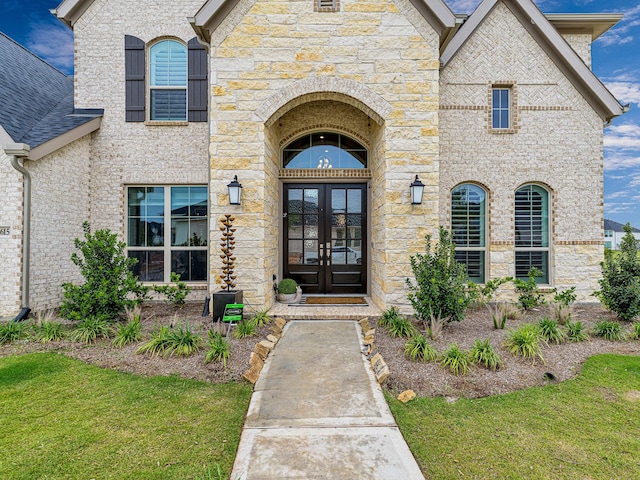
(618, 161)
(618, 194)
(623, 207)
(53, 43)
(626, 92)
(463, 6)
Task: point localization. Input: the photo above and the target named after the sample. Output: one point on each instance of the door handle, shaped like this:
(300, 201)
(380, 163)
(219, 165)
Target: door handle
(328, 250)
(321, 256)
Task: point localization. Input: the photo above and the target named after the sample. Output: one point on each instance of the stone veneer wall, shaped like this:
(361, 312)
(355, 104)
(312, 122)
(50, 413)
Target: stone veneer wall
(581, 43)
(10, 245)
(60, 193)
(133, 153)
(378, 55)
(557, 143)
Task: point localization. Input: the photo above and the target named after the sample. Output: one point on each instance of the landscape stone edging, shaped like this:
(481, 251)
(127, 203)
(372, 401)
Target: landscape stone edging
(370, 351)
(262, 349)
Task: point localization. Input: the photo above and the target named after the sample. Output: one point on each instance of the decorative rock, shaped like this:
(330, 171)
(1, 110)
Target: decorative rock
(407, 396)
(368, 340)
(364, 323)
(273, 339)
(276, 331)
(370, 333)
(263, 348)
(382, 374)
(280, 322)
(252, 374)
(375, 359)
(255, 360)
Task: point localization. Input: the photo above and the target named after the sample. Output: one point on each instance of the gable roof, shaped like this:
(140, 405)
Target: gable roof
(548, 37)
(213, 12)
(617, 227)
(37, 101)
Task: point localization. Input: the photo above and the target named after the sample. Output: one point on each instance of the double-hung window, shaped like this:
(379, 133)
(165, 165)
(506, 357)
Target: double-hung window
(167, 232)
(501, 116)
(532, 232)
(168, 81)
(468, 228)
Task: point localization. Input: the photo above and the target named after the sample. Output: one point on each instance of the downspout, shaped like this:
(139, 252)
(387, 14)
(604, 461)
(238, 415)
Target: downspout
(16, 151)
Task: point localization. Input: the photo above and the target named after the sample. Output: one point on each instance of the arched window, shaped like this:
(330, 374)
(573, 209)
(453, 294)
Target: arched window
(532, 232)
(168, 81)
(468, 229)
(324, 150)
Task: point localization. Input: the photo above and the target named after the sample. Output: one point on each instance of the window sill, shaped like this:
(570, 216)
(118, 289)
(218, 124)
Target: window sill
(502, 131)
(157, 123)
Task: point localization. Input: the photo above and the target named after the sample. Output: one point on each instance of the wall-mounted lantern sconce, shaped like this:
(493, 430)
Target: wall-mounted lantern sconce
(235, 190)
(417, 189)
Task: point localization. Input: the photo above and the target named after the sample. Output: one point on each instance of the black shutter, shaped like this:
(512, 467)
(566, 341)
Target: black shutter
(198, 85)
(134, 68)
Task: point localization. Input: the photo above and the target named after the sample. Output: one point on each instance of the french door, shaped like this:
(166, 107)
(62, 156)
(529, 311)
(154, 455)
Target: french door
(325, 239)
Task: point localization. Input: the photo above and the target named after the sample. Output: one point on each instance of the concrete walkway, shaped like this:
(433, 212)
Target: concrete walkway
(317, 412)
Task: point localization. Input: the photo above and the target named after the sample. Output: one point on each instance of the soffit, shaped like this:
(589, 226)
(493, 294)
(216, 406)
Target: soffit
(69, 11)
(594, 24)
(552, 42)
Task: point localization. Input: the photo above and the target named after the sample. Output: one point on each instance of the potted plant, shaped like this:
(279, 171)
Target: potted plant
(228, 294)
(287, 290)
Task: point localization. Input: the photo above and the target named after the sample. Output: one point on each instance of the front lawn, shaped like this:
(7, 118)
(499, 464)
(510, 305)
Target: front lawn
(63, 419)
(588, 427)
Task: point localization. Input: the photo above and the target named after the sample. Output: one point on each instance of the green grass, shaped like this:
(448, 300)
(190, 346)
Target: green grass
(581, 428)
(64, 419)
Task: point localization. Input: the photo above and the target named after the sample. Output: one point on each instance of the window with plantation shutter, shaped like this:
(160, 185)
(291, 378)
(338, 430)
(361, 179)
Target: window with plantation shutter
(468, 229)
(532, 232)
(168, 81)
(134, 59)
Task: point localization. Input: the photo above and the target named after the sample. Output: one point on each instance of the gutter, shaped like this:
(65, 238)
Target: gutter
(16, 151)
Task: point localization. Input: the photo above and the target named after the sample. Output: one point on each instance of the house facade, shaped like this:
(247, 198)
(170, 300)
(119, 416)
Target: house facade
(326, 112)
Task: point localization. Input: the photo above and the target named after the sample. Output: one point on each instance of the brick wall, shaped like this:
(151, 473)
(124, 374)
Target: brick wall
(10, 245)
(557, 143)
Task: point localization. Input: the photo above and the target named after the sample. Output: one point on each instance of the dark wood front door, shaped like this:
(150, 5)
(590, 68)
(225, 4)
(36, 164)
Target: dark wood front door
(325, 239)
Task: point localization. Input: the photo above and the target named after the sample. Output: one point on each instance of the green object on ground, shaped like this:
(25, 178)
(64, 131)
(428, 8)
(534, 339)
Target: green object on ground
(64, 419)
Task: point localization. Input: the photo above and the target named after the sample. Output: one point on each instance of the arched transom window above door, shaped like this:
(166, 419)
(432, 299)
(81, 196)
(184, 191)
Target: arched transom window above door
(324, 150)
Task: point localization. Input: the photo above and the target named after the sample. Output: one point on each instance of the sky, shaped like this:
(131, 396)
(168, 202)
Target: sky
(615, 60)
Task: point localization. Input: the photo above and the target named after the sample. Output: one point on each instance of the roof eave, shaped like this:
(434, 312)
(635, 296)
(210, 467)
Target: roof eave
(595, 24)
(69, 11)
(65, 139)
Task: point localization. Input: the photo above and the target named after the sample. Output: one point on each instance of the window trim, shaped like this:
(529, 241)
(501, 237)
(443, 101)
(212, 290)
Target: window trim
(547, 249)
(167, 248)
(149, 88)
(514, 120)
(484, 228)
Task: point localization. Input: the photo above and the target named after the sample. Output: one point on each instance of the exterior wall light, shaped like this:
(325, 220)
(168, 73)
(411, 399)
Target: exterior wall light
(235, 190)
(417, 189)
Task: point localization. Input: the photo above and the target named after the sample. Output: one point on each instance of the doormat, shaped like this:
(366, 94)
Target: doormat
(324, 301)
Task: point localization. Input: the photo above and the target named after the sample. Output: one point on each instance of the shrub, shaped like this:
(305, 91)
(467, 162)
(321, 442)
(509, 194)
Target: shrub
(620, 282)
(435, 326)
(456, 360)
(482, 294)
(565, 297)
(169, 341)
(498, 317)
(441, 282)
(635, 332)
(245, 328)
(175, 294)
(127, 333)
(529, 295)
(45, 328)
(388, 316)
(287, 286)
(401, 326)
(575, 333)
(510, 310)
(12, 331)
(562, 313)
(89, 329)
(525, 342)
(418, 348)
(482, 353)
(48, 331)
(261, 318)
(550, 331)
(608, 329)
(219, 349)
(109, 282)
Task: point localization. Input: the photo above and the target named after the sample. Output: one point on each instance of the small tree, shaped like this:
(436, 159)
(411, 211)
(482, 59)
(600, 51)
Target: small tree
(109, 285)
(440, 290)
(620, 283)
